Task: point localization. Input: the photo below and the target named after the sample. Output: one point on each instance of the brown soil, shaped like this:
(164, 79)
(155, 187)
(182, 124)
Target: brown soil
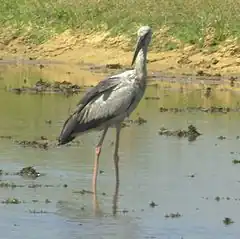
(102, 49)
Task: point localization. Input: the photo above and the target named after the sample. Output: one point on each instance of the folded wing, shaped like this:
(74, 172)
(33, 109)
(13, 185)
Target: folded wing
(110, 99)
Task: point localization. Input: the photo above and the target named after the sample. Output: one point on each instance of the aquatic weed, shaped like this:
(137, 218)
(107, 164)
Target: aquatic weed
(11, 201)
(29, 172)
(191, 133)
(235, 161)
(153, 204)
(173, 215)
(227, 221)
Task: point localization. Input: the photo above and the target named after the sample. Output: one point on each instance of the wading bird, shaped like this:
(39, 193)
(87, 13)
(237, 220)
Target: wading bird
(110, 102)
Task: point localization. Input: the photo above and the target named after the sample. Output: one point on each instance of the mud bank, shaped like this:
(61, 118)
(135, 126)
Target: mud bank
(100, 49)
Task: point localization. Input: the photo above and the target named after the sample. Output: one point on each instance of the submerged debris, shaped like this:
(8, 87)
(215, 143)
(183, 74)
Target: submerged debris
(153, 204)
(29, 172)
(83, 191)
(221, 137)
(47, 201)
(41, 142)
(191, 133)
(33, 143)
(152, 98)
(42, 86)
(228, 221)
(37, 212)
(5, 137)
(140, 121)
(211, 110)
(114, 66)
(235, 161)
(48, 121)
(217, 198)
(173, 215)
(4, 184)
(11, 201)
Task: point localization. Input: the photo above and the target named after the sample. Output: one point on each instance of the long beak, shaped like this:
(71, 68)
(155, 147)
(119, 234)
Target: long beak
(138, 47)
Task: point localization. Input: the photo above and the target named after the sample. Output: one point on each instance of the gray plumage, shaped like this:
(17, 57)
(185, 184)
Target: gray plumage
(111, 100)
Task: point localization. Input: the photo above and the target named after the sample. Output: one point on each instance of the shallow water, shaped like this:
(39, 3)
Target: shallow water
(178, 175)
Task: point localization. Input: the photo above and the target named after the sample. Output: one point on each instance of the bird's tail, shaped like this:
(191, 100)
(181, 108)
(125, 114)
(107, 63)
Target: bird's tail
(67, 133)
(62, 141)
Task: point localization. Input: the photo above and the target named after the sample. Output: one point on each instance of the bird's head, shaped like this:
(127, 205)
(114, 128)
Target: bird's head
(144, 37)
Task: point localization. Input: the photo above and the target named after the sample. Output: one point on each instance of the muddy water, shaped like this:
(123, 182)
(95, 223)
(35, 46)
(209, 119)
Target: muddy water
(159, 175)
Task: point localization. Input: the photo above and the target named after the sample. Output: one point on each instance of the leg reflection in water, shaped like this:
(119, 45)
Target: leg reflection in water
(96, 207)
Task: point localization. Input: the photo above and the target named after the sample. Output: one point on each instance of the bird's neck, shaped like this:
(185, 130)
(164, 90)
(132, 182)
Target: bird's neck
(141, 66)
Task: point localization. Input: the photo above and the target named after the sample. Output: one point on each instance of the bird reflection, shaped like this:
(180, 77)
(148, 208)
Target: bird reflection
(115, 199)
(96, 207)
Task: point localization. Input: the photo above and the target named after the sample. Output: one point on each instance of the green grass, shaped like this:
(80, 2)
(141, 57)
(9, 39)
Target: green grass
(187, 20)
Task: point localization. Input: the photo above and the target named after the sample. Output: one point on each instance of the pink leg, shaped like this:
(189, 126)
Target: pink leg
(96, 161)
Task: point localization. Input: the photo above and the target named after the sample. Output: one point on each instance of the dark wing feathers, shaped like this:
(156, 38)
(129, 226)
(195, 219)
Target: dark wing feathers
(72, 125)
(101, 87)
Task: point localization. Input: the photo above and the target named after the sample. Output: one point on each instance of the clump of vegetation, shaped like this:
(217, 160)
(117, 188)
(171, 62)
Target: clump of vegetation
(173, 215)
(33, 144)
(191, 133)
(152, 204)
(235, 161)
(11, 201)
(203, 22)
(41, 86)
(12, 185)
(228, 221)
(29, 172)
(37, 212)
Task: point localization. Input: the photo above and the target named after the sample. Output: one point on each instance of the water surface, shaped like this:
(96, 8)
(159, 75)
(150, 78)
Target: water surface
(178, 175)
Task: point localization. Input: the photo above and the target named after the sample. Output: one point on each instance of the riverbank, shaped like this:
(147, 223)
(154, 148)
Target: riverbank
(101, 49)
(190, 37)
